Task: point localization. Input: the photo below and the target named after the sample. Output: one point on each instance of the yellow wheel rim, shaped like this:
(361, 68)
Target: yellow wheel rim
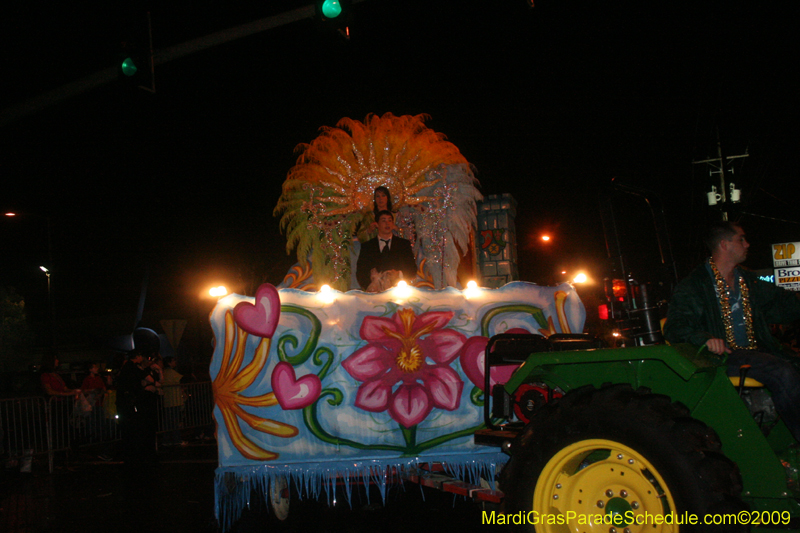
(585, 485)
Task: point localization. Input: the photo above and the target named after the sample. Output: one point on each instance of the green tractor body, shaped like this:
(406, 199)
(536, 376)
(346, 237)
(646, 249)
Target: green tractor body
(694, 420)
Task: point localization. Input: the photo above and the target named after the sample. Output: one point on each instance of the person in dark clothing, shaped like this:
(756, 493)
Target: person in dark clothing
(385, 253)
(728, 310)
(132, 405)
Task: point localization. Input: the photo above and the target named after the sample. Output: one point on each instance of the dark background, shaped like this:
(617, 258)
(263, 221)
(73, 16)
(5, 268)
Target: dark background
(550, 104)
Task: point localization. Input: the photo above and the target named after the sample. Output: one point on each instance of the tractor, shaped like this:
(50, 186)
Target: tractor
(609, 440)
(646, 438)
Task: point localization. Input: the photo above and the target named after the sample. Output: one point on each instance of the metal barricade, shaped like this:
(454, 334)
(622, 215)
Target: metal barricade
(37, 426)
(23, 427)
(185, 406)
(199, 405)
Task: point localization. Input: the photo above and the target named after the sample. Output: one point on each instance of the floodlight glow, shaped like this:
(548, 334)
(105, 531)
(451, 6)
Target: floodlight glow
(580, 278)
(43, 269)
(545, 238)
(218, 292)
(10, 214)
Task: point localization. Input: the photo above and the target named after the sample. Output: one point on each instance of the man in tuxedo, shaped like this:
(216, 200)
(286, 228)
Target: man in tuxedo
(385, 253)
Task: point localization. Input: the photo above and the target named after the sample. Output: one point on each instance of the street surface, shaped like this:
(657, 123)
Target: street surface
(87, 495)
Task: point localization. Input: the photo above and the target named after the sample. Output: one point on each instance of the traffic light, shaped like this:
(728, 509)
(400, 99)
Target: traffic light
(134, 67)
(335, 15)
(135, 54)
(130, 63)
(330, 8)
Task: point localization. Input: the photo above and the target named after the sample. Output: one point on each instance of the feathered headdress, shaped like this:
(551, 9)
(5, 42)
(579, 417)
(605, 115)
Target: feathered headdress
(327, 196)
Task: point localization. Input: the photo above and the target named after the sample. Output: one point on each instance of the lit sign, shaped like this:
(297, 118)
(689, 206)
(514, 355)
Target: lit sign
(786, 262)
(786, 254)
(788, 278)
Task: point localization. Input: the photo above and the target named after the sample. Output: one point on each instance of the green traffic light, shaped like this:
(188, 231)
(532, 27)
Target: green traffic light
(331, 9)
(129, 67)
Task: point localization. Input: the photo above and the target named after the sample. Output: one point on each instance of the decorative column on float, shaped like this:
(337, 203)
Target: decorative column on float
(497, 240)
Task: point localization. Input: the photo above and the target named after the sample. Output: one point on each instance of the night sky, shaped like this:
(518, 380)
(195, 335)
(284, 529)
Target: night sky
(550, 104)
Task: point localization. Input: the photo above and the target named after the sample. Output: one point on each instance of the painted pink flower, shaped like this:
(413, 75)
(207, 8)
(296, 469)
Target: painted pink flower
(398, 352)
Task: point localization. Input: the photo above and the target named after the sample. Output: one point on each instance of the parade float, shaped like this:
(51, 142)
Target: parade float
(318, 384)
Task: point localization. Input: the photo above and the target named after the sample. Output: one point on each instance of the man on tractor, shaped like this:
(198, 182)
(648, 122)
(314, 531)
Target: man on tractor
(727, 310)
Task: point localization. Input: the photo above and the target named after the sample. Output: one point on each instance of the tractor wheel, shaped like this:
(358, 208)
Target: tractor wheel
(612, 459)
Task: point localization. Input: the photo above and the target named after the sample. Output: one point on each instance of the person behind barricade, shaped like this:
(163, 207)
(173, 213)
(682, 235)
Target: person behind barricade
(52, 383)
(173, 402)
(94, 389)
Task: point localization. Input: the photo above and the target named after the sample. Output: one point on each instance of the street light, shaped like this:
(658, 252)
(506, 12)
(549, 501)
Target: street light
(50, 307)
(50, 304)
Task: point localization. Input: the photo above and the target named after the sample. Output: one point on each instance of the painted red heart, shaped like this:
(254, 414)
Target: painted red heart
(293, 393)
(472, 358)
(262, 318)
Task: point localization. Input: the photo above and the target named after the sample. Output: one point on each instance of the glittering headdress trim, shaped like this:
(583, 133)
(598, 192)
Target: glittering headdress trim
(725, 306)
(328, 195)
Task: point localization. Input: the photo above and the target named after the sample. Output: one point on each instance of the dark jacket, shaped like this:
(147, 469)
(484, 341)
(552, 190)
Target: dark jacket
(694, 313)
(399, 257)
(130, 390)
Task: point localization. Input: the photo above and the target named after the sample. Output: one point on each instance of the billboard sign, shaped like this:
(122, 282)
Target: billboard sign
(786, 254)
(786, 262)
(788, 278)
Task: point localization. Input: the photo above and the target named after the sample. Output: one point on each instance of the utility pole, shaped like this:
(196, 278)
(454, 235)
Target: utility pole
(717, 166)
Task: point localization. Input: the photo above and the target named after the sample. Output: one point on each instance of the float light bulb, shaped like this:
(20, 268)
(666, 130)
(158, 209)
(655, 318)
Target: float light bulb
(326, 294)
(402, 290)
(472, 290)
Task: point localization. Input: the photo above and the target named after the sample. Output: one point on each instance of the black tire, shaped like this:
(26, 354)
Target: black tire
(614, 450)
